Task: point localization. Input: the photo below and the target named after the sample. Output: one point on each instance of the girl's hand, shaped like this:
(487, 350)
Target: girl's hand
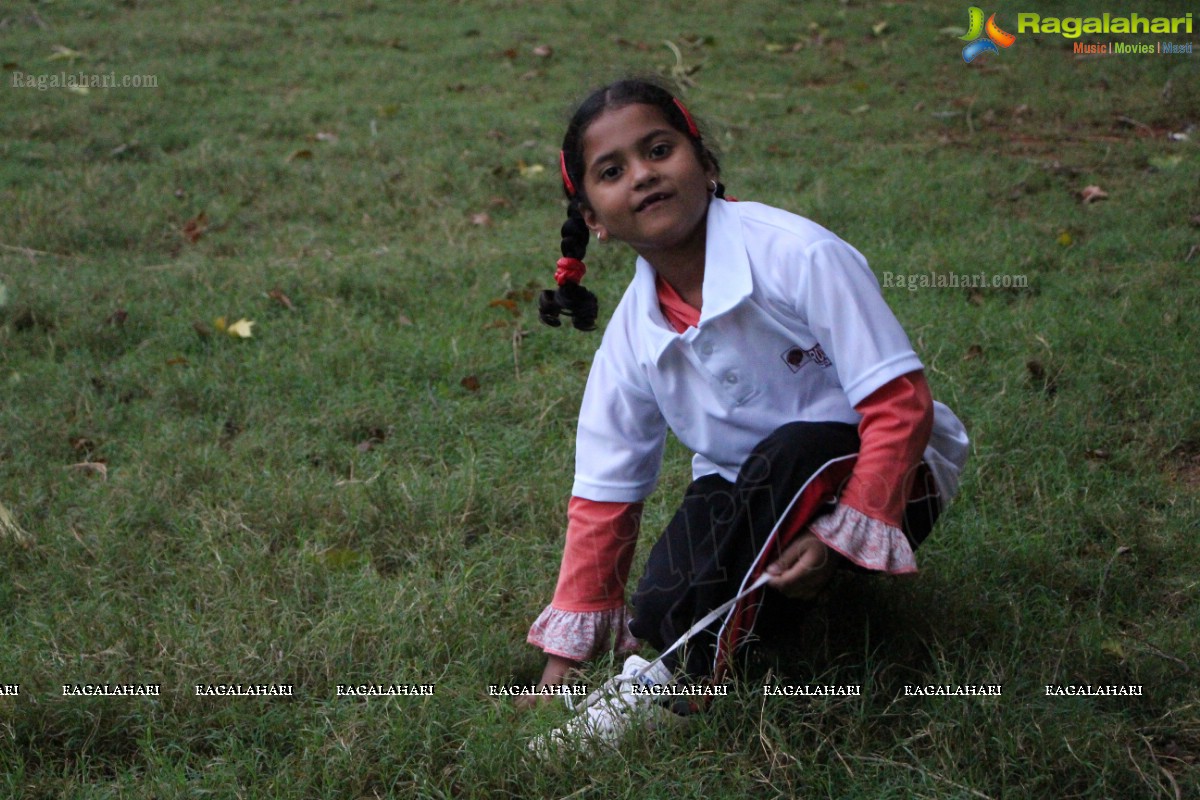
(804, 567)
(555, 674)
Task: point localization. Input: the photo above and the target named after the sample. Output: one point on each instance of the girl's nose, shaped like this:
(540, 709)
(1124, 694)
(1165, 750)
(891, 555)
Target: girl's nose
(643, 172)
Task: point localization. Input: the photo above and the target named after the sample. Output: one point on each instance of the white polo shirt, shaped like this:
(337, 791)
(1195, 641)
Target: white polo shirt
(793, 328)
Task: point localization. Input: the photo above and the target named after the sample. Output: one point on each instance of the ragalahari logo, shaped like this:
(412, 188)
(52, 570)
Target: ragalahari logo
(984, 37)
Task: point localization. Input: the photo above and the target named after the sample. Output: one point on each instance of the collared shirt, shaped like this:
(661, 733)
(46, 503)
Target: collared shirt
(793, 328)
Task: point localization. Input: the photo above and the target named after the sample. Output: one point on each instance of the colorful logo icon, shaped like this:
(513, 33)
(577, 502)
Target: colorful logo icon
(983, 37)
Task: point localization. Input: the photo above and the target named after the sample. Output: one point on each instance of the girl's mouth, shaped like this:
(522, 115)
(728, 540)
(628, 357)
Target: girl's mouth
(650, 200)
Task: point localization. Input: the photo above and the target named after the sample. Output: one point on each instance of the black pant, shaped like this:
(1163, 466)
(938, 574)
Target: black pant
(714, 538)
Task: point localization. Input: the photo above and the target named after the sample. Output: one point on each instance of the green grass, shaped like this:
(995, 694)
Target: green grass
(372, 488)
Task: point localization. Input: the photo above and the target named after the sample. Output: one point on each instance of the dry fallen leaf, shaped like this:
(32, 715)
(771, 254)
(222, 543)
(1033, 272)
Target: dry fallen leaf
(505, 303)
(195, 227)
(279, 297)
(529, 170)
(98, 468)
(482, 219)
(1090, 194)
(973, 352)
(117, 318)
(62, 53)
(202, 330)
(177, 361)
(470, 383)
(241, 329)
(9, 529)
(295, 155)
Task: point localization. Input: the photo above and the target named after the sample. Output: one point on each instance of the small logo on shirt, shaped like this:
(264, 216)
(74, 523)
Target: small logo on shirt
(796, 357)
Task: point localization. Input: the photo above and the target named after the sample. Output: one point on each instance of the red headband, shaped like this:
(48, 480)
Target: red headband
(692, 129)
(562, 163)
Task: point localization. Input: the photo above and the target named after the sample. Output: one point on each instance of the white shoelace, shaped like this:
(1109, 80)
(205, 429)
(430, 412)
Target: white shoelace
(612, 685)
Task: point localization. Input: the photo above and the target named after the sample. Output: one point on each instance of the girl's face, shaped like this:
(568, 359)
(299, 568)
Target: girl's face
(643, 181)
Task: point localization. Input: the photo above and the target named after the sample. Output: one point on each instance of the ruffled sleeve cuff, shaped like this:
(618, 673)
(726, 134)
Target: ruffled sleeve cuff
(580, 635)
(867, 542)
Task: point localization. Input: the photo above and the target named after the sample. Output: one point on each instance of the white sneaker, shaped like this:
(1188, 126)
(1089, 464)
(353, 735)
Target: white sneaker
(611, 711)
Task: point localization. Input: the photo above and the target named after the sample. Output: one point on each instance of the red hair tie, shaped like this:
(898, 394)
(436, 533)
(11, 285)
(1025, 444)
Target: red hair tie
(562, 163)
(569, 269)
(692, 129)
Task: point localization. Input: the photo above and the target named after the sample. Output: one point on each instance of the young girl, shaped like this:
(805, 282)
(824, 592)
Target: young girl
(761, 340)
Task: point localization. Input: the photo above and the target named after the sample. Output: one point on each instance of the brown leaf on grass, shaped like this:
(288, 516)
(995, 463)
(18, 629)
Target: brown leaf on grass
(195, 227)
(524, 295)
(1096, 454)
(505, 302)
(482, 219)
(117, 318)
(1090, 194)
(302, 154)
(623, 42)
(496, 201)
(403, 321)
(973, 352)
(470, 383)
(177, 361)
(94, 468)
(279, 297)
(202, 330)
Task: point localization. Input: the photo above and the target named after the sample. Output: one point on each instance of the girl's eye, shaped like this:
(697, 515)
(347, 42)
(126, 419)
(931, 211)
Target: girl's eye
(660, 150)
(608, 173)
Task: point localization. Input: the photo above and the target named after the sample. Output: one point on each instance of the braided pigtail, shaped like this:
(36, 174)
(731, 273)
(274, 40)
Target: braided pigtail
(570, 298)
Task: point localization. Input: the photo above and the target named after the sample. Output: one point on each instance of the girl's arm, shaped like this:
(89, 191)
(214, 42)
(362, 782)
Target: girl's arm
(588, 610)
(866, 525)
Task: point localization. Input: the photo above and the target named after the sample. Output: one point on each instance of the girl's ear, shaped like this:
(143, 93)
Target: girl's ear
(593, 222)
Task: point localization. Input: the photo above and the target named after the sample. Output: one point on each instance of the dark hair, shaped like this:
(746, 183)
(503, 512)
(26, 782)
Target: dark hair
(570, 298)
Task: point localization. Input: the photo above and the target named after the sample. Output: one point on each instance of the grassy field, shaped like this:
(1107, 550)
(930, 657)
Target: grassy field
(371, 487)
